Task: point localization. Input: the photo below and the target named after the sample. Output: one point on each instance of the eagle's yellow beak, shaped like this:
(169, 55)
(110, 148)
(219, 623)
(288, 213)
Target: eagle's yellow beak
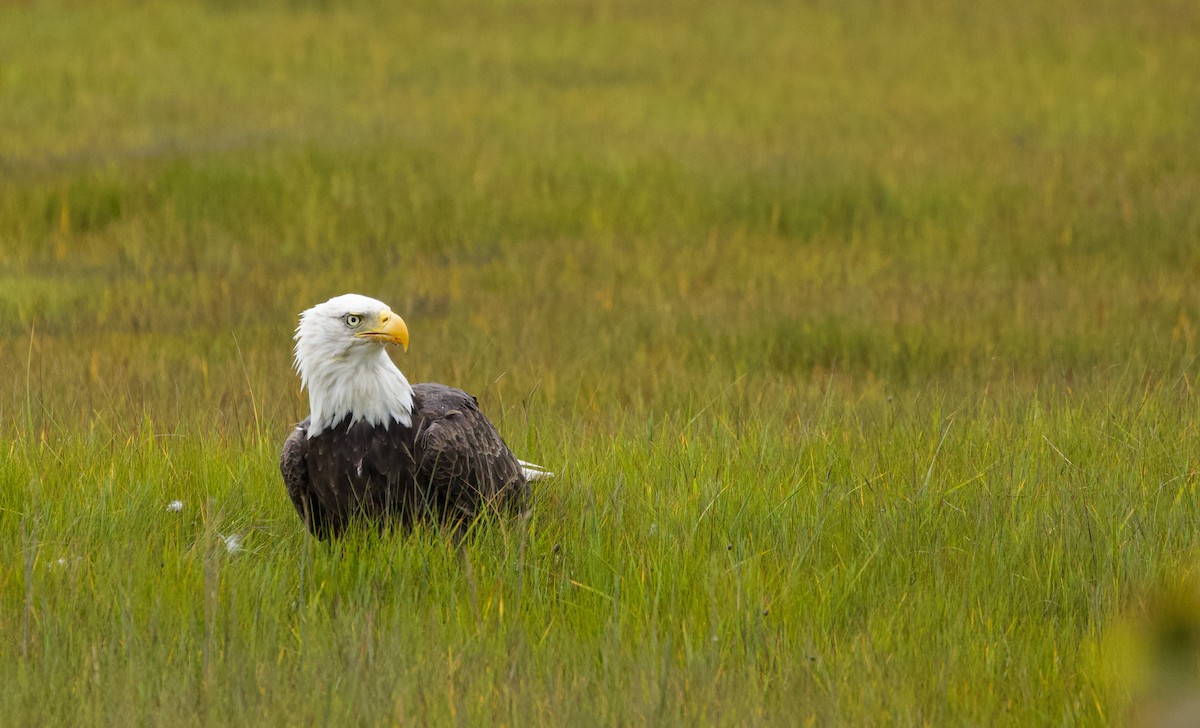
(391, 329)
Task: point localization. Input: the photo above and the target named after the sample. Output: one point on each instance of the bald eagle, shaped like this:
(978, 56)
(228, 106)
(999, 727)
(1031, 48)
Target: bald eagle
(377, 448)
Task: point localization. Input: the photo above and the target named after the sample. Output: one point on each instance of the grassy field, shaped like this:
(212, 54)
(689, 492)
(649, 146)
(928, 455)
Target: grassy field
(863, 338)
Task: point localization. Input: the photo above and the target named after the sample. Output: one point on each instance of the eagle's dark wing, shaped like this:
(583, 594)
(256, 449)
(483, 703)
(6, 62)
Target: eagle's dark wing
(293, 466)
(461, 458)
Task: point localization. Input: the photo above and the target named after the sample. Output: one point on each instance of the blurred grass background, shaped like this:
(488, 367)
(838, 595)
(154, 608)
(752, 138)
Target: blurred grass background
(880, 270)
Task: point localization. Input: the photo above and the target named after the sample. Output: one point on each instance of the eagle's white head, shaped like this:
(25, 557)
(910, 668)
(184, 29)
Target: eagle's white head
(342, 361)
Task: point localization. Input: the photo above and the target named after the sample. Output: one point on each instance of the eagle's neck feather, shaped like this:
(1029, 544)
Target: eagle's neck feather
(368, 389)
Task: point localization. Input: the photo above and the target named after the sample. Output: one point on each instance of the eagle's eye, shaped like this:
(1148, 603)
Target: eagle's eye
(353, 320)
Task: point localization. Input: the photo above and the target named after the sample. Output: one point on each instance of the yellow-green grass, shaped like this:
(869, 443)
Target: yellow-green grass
(863, 338)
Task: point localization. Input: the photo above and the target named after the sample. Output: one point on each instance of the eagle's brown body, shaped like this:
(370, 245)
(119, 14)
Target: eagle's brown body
(448, 466)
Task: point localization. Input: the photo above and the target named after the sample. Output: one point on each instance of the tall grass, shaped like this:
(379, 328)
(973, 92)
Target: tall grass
(863, 339)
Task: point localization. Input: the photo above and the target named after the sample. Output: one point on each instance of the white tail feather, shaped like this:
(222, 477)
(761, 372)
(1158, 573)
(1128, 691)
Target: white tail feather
(534, 472)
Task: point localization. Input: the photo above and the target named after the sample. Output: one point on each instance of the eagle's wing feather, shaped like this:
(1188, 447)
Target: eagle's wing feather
(294, 468)
(461, 458)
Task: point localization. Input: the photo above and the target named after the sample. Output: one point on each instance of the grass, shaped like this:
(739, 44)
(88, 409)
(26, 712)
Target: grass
(864, 339)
